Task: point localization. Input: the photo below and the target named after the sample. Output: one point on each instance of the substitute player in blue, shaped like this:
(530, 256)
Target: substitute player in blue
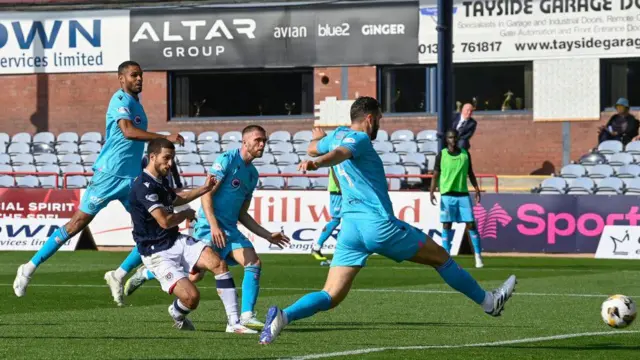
(335, 204)
(169, 255)
(370, 226)
(114, 171)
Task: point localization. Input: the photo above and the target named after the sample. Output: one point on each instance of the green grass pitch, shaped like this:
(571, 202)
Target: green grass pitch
(395, 311)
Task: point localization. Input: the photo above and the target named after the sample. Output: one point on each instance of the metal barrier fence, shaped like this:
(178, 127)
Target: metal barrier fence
(285, 176)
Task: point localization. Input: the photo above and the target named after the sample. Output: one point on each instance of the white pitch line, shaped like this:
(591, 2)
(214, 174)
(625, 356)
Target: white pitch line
(401, 291)
(487, 344)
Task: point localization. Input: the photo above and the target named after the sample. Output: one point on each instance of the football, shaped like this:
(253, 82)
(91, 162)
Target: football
(618, 311)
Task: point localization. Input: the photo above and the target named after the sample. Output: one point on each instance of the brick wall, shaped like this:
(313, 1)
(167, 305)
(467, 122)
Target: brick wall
(503, 144)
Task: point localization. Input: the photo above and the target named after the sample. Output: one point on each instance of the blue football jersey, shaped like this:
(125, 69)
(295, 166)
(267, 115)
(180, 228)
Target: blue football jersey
(120, 156)
(148, 194)
(238, 181)
(364, 187)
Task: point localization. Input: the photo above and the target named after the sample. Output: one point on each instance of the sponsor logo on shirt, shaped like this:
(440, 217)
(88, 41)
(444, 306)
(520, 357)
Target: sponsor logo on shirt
(124, 110)
(152, 197)
(235, 183)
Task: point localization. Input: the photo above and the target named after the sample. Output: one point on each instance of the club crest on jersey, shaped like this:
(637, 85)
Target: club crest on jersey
(137, 120)
(235, 183)
(169, 276)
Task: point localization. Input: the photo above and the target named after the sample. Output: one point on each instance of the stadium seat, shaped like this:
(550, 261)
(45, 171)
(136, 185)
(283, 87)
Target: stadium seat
(48, 182)
(400, 136)
(7, 181)
(320, 183)
(208, 136)
(619, 160)
(301, 148)
(188, 136)
(231, 136)
(18, 148)
(280, 148)
(610, 147)
(629, 171)
(72, 168)
(87, 168)
(394, 170)
(209, 148)
(188, 159)
(632, 186)
(413, 170)
(91, 137)
(390, 159)
(187, 148)
(267, 169)
(198, 181)
(22, 159)
(46, 138)
(5, 138)
(43, 149)
(28, 181)
(413, 159)
(304, 136)
(6, 168)
(382, 136)
(68, 137)
(610, 186)
(25, 168)
(272, 183)
(382, 147)
(5, 159)
(67, 148)
(322, 171)
(581, 186)
(279, 136)
(228, 146)
(592, 159)
(69, 159)
(553, 185)
(192, 169)
(287, 159)
(22, 137)
(3, 147)
(90, 148)
(89, 159)
(427, 135)
(46, 159)
(573, 171)
(208, 159)
(298, 183)
(266, 158)
(428, 148)
(48, 168)
(76, 182)
(599, 172)
(288, 169)
(406, 147)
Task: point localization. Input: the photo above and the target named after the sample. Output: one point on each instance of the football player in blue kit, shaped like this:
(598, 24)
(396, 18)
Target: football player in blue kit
(370, 226)
(117, 165)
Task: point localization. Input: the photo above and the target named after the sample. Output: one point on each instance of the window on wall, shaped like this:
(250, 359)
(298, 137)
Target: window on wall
(620, 78)
(490, 86)
(242, 93)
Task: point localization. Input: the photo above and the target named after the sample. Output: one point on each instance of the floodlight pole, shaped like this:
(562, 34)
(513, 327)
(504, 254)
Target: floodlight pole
(445, 67)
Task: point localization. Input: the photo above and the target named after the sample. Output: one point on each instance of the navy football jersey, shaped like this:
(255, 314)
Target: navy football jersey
(147, 194)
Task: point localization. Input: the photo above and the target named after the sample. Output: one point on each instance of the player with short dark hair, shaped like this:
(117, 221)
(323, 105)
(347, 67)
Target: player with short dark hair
(172, 256)
(452, 168)
(370, 226)
(117, 165)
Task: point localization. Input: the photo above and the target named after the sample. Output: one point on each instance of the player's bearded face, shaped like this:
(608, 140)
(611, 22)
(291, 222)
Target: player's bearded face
(375, 125)
(132, 79)
(163, 161)
(255, 144)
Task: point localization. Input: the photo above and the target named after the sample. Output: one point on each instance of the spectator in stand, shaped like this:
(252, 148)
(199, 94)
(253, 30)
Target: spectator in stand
(465, 125)
(622, 126)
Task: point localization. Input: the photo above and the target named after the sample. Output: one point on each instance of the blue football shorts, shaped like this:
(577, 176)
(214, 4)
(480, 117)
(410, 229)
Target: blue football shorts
(456, 209)
(103, 189)
(235, 240)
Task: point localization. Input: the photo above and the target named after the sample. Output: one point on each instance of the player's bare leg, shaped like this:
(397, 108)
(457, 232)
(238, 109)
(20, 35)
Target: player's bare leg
(474, 236)
(210, 260)
(248, 258)
(187, 300)
(336, 288)
(78, 222)
(492, 302)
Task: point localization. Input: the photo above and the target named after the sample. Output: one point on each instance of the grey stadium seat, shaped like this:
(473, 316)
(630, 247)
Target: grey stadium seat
(43, 149)
(573, 171)
(189, 136)
(414, 159)
(18, 148)
(287, 159)
(3, 147)
(288, 169)
(609, 147)
(267, 169)
(301, 148)
(25, 168)
(67, 148)
(633, 186)
(428, 148)
(208, 136)
(89, 159)
(22, 159)
(599, 172)
(69, 159)
(413, 170)
(279, 136)
(7, 181)
(280, 148)
(68, 137)
(553, 185)
(382, 147)
(302, 136)
(87, 168)
(29, 181)
(298, 183)
(192, 169)
(44, 138)
(48, 182)
(632, 148)
(5, 138)
(618, 160)
(90, 148)
(272, 183)
(231, 136)
(198, 181)
(266, 158)
(427, 135)
(610, 186)
(5, 159)
(406, 147)
(319, 183)
(49, 168)
(209, 148)
(6, 168)
(592, 159)
(399, 136)
(581, 186)
(629, 171)
(76, 182)
(22, 137)
(382, 135)
(187, 148)
(46, 159)
(208, 159)
(231, 146)
(72, 168)
(188, 159)
(390, 159)
(91, 137)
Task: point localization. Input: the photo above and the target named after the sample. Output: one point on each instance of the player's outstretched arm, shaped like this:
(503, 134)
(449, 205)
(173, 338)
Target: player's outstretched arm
(252, 225)
(317, 134)
(434, 180)
(133, 133)
(473, 180)
(186, 197)
(335, 157)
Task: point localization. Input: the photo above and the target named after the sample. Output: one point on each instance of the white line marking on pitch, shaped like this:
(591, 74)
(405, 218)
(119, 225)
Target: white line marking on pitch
(487, 344)
(402, 291)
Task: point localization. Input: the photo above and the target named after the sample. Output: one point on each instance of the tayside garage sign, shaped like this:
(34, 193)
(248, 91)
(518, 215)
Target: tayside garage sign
(507, 30)
(275, 36)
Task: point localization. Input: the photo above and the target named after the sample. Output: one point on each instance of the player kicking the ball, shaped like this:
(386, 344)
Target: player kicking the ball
(369, 225)
(169, 255)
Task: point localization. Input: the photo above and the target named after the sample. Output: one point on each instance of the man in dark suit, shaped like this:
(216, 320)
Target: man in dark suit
(465, 125)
